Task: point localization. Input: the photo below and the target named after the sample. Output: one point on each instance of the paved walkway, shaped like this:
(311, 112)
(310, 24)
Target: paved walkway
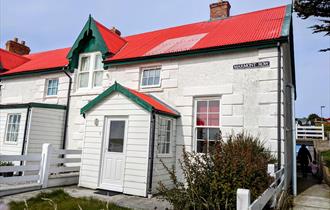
(132, 202)
(314, 197)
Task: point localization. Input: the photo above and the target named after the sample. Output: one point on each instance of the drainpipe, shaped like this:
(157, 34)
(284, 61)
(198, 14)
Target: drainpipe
(67, 108)
(26, 130)
(293, 135)
(151, 152)
(279, 103)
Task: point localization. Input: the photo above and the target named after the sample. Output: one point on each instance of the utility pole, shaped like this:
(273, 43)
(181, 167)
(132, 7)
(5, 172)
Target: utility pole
(322, 107)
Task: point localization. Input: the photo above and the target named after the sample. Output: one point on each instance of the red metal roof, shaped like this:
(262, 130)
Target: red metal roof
(111, 39)
(40, 61)
(152, 101)
(9, 60)
(250, 27)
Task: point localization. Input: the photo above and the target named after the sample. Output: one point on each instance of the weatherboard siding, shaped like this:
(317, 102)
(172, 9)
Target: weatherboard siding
(135, 178)
(46, 126)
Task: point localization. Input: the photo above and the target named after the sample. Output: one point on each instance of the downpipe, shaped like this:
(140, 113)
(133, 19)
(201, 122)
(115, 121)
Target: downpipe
(151, 152)
(67, 109)
(279, 102)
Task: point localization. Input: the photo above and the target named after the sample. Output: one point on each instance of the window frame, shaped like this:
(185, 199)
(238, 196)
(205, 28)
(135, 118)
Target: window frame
(171, 133)
(91, 71)
(195, 126)
(149, 69)
(7, 127)
(47, 86)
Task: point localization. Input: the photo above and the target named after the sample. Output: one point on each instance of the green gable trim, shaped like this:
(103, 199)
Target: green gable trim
(201, 52)
(89, 40)
(116, 88)
(287, 21)
(33, 104)
(32, 73)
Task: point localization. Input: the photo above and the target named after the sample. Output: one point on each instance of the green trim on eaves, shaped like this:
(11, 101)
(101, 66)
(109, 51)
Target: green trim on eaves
(32, 104)
(287, 21)
(200, 52)
(115, 88)
(32, 73)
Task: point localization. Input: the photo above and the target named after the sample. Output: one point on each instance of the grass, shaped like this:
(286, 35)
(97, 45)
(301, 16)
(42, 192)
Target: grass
(326, 158)
(60, 200)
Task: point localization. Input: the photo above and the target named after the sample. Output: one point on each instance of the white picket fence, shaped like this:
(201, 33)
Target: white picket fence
(243, 201)
(310, 132)
(53, 167)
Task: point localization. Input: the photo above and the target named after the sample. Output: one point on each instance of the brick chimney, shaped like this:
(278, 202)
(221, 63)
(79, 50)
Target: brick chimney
(219, 10)
(115, 30)
(17, 47)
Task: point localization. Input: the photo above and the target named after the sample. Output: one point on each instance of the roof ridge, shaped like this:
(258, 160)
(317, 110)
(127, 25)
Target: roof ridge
(46, 51)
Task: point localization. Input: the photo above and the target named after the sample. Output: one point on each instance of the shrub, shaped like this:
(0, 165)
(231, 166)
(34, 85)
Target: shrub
(211, 181)
(326, 158)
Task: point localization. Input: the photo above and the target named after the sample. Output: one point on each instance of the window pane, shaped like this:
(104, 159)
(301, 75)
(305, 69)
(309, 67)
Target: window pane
(201, 119)
(144, 81)
(156, 81)
(214, 106)
(201, 146)
(214, 133)
(116, 137)
(150, 81)
(157, 73)
(98, 62)
(97, 79)
(151, 77)
(84, 66)
(83, 80)
(213, 119)
(202, 106)
(202, 133)
(211, 146)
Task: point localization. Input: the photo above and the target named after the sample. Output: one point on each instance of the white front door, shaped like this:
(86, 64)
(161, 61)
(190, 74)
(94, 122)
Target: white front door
(113, 157)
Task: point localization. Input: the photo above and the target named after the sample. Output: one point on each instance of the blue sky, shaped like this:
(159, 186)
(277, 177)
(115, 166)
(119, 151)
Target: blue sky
(46, 25)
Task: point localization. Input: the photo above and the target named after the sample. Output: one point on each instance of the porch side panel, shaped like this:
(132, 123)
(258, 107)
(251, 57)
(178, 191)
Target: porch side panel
(135, 171)
(47, 126)
(160, 173)
(11, 148)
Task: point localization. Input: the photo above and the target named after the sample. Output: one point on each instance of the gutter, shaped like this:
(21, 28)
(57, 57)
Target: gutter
(67, 109)
(279, 103)
(151, 152)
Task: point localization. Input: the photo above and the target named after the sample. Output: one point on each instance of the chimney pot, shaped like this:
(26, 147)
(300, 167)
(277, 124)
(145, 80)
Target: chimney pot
(116, 31)
(219, 10)
(16, 47)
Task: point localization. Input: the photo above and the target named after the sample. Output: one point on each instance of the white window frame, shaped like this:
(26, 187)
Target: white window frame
(149, 69)
(91, 71)
(47, 86)
(200, 126)
(7, 127)
(171, 132)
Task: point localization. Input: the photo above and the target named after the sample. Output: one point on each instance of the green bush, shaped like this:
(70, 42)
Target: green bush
(212, 180)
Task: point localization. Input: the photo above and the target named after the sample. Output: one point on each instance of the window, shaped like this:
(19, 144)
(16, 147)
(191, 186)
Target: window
(90, 70)
(116, 136)
(52, 87)
(150, 77)
(207, 124)
(12, 127)
(164, 136)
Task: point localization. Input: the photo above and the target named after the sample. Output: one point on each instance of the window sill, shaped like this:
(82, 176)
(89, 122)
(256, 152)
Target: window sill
(10, 143)
(150, 89)
(54, 96)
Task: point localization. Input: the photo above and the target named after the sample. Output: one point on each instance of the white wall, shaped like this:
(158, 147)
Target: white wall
(9, 148)
(135, 178)
(46, 126)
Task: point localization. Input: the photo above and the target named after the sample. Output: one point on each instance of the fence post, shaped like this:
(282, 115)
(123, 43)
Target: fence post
(243, 199)
(323, 136)
(45, 164)
(271, 171)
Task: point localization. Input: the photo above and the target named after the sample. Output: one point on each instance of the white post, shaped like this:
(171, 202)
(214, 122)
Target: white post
(243, 199)
(271, 171)
(45, 164)
(323, 136)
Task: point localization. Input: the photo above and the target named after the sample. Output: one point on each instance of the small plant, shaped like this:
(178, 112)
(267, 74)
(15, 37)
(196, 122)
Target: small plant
(326, 158)
(211, 180)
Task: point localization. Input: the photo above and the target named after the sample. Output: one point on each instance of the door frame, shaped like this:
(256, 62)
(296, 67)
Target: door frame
(105, 134)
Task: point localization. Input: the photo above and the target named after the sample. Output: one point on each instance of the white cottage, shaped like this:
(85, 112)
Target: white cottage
(135, 100)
